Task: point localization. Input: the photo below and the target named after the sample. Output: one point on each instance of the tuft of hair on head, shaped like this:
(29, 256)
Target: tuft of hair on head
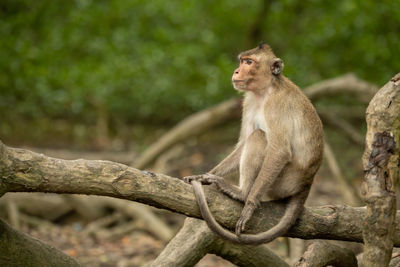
(261, 45)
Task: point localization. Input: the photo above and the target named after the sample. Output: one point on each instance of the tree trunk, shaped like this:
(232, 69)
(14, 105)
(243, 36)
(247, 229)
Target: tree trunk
(381, 163)
(18, 249)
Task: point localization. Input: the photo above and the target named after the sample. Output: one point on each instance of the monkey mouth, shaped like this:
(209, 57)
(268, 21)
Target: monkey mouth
(239, 84)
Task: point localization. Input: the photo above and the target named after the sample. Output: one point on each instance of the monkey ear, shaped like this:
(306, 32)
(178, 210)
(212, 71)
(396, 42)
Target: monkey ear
(277, 66)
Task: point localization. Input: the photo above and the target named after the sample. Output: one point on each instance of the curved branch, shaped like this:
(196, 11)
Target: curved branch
(347, 128)
(348, 83)
(200, 240)
(190, 244)
(322, 253)
(349, 194)
(192, 125)
(26, 171)
(246, 255)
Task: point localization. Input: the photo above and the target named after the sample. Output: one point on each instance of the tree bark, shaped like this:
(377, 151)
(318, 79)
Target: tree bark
(192, 243)
(383, 115)
(246, 256)
(381, 163)
(26, 171)
(381, 204)
(198, 240)
(322, 253)
(17, 249)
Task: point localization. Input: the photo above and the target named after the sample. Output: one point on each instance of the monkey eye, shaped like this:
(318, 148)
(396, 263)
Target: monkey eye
(249, 61)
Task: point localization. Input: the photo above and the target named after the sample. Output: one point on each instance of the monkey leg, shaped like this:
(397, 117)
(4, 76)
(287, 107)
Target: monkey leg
(230, 190)
(252, 159)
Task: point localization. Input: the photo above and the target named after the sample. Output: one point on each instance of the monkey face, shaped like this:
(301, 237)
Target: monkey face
(257, 68)
(247, 76)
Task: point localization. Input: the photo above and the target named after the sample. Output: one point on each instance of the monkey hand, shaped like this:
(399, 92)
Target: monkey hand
(206, 178)
(247, 212)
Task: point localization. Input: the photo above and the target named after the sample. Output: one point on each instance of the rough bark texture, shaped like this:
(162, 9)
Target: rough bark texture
(382, 170)
(192, 243)
(383, 115)
(246, 256)
(26, 171)
(321, 253)
(198, 240)
(381, 204)
(17, 249)
(395, 262)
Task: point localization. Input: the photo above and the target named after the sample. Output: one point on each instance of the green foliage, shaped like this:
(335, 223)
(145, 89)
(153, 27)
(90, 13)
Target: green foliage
(159, 60)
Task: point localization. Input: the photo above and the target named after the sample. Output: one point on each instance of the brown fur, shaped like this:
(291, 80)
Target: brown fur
(279, 149)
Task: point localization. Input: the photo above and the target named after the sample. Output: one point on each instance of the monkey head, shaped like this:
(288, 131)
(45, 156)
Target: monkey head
(257, 68)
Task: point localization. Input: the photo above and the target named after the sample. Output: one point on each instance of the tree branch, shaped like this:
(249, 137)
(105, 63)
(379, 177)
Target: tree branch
(346, 127)
(348, 83)
(26, 171)
(18, 249)
(200, 240)
(246, 255)
(322, 253)
(188, 247)
(192, 125)
(349, 194)
(381, 164)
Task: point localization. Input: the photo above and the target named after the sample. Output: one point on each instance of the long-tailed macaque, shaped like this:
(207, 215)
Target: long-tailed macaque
(279, 149)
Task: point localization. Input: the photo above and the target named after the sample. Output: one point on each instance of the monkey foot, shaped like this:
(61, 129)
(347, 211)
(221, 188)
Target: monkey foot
(247, 212)
(206, 178)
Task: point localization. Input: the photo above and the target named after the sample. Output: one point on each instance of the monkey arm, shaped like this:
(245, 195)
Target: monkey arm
(230, 190)
(227, 166)
(230, 163)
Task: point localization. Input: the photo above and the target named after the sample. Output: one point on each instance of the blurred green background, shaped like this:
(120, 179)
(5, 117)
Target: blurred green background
(74, 70)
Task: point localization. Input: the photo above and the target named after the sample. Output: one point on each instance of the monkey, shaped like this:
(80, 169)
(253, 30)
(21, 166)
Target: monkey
(279, 150)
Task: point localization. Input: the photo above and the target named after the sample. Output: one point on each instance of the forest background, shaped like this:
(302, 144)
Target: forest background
(70, 69)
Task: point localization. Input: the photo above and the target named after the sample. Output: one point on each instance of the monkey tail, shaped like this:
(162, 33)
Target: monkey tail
(294, 208)
(208, 217)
